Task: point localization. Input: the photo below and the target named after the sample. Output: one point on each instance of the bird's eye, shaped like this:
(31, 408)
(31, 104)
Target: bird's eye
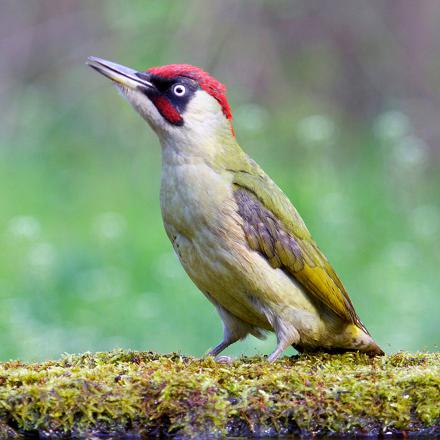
(179, 90)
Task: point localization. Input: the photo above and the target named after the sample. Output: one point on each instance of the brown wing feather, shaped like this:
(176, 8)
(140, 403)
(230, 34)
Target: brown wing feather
(297, 255)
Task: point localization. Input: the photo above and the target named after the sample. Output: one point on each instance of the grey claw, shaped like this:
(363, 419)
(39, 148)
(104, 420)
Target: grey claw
(224, 359)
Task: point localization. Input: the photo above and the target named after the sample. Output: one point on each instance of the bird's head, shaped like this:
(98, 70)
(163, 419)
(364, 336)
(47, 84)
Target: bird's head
(179, 101)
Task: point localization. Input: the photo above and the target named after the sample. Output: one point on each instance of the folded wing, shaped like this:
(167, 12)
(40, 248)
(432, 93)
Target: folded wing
(274, 228)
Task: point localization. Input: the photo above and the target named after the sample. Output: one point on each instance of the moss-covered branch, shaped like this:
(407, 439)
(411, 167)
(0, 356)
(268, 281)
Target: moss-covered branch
(147, 393)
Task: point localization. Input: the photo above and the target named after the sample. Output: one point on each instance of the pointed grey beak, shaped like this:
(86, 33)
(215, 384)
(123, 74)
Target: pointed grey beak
(121, 75)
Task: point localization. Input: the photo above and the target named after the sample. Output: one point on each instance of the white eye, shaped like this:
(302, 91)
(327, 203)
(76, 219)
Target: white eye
(179, 90)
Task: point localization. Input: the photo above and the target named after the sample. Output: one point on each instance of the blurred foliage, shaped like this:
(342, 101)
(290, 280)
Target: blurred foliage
(339, 102)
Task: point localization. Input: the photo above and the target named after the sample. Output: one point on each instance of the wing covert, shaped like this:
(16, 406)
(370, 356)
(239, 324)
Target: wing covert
(274, 228)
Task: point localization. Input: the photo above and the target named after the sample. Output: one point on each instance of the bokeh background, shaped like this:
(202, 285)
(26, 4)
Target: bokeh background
(338, 101)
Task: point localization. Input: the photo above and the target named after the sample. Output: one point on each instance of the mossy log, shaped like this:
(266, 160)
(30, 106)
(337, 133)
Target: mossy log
(150, 394)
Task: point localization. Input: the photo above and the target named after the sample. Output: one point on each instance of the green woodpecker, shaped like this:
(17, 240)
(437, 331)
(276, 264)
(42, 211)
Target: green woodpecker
(237, 235)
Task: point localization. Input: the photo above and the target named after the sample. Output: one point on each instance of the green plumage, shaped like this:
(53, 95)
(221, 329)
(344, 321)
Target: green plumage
(273, 227)
(236, 233)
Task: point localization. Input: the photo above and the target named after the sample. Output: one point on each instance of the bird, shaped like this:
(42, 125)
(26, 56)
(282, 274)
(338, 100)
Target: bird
(236, 234)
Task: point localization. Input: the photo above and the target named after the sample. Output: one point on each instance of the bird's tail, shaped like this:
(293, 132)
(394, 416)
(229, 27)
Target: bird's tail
(353, 339)
(374, 350)
(360, 340)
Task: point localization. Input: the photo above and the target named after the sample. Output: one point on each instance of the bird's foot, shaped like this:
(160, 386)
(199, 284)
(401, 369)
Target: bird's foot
(220, 347)
(283, 343)
(224, 360)
(274, 356)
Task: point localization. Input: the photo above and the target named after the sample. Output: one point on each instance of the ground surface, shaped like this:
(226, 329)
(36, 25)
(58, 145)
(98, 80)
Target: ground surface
(147, 393)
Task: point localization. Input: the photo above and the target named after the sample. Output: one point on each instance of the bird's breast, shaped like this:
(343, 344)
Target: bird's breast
(193, 197)
(201, 219)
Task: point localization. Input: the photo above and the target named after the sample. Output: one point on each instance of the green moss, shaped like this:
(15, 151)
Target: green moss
(167, 394)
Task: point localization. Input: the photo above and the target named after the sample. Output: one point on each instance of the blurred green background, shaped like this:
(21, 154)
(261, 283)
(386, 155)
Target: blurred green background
(338, 101)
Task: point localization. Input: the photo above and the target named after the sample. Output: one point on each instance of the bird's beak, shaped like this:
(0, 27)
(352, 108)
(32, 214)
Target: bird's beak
(121, 75)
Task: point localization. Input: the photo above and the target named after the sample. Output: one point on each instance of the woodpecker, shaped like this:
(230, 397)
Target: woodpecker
(236, 234)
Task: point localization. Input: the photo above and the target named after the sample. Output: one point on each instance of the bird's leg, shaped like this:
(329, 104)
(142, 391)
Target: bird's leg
(233, 330)
(277, 352)
(222, 346)
(284, 338)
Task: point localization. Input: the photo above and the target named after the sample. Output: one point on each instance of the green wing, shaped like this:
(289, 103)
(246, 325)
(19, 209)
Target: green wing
(274, 228)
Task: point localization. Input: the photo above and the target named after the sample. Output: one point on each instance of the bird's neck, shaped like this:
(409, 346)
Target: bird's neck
(195, 182)
(214, 148)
